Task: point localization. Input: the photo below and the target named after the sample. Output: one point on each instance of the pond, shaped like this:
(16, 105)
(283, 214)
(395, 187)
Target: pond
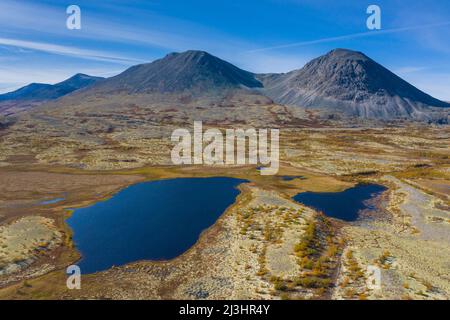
(51, 201)
(154, 220)
(345, 205)
(290, 178)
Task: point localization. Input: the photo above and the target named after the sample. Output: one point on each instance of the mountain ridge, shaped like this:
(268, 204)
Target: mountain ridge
(44, 91)
(176, 72)
(342, 81)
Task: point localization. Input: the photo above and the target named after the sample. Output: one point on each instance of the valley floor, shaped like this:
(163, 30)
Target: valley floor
(265, 246)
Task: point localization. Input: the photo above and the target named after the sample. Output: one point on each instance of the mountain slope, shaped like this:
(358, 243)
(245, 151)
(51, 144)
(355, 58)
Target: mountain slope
(350, 82)
(341, 82)
(42, 91)
(193, 71)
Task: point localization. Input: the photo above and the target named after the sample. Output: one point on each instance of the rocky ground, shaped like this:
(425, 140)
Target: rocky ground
(22, 241)
(410, 250)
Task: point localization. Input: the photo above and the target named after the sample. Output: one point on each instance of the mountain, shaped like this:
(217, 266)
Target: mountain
(42, 91)
(341, 82)
(193, 71)
(352, 83)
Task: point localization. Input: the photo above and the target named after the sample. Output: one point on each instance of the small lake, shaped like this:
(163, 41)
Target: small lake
(290, 178)
(154, 220)
(345, 205)
(51, 201)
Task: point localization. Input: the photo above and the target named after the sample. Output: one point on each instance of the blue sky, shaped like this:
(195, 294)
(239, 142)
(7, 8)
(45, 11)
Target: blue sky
(257, 35)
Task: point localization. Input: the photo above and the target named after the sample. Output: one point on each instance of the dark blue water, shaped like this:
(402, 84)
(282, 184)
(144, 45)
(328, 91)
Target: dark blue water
(152, 220)
(345, 205)
(290, 178)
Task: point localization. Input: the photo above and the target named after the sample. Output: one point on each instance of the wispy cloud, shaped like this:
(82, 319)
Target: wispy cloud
(66, 50)
(351, 36)
(106, 26)
(410, 69)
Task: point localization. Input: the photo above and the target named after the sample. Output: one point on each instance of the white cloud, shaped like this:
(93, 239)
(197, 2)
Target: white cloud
(435, 84)
(163, 32)
(351, 36)
(66, 50)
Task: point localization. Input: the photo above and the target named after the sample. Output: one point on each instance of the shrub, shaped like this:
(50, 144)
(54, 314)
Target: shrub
(349, 293)
(313, 282)
(280, 286)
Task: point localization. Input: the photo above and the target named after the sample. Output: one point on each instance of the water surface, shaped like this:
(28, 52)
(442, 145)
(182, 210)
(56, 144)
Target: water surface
(290, 178)
(345, 205)
(51, 201)
(152, 220)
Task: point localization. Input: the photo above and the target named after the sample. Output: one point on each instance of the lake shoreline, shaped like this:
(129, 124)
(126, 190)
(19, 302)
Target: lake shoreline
(347, 205)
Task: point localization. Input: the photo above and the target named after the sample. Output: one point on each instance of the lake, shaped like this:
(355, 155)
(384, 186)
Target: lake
(154, 220)
(51, 201)
(290, 178)
(345, 205)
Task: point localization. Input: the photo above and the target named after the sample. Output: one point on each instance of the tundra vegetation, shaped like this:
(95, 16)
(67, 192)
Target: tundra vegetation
(266, 245)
